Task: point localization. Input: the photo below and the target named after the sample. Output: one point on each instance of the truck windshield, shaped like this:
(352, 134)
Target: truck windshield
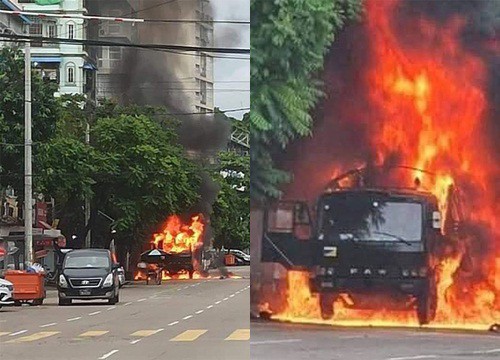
(362, 217)
(83, 262)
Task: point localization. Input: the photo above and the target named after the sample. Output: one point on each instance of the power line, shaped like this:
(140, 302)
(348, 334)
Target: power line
(50, 40)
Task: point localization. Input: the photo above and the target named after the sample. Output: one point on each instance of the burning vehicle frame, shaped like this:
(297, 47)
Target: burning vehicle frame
(364, 239)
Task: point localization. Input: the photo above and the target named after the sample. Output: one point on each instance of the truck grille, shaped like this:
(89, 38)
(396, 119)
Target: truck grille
(85, 283)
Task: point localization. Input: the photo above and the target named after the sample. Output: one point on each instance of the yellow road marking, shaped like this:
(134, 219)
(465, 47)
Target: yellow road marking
(3, 333)
(34, 337)
(93, 333)
(239, 335)
(189, 335)
(144, 333)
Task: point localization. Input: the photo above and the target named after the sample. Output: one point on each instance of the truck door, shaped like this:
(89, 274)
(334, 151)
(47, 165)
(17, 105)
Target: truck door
(288, 235)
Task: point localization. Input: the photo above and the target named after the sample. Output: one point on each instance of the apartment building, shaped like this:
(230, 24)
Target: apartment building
(71, 66)
(182, 80)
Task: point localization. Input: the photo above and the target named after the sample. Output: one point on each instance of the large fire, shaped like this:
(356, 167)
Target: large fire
(429, 103)
(178, 237)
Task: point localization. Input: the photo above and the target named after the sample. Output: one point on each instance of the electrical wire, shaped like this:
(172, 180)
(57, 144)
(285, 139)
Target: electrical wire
(131, 45)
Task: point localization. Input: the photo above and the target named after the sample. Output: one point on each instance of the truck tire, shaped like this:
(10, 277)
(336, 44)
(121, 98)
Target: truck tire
(326, 306)
(427, 302)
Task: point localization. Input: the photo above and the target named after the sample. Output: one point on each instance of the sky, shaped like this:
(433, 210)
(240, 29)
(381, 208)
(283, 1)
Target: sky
(232, 75)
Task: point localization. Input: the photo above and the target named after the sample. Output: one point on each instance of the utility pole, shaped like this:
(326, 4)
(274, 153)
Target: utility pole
(28, 176)
(88, 242)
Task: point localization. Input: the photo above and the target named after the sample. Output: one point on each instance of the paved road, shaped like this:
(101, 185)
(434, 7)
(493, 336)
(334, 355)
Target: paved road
(189, 319)
(272, 341)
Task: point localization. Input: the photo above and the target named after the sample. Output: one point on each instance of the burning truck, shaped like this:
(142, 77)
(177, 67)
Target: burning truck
(414, 83)
(364, 239)
(174, 253)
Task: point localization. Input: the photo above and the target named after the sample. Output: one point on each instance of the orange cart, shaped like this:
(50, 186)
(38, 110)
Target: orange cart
(28, 287)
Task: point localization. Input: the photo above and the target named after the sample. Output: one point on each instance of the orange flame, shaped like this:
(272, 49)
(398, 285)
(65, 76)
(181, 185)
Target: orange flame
(178, 237)
(432, 106)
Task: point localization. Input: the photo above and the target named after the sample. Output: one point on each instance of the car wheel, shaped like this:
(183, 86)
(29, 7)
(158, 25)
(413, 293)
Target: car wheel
(37, 302)
(64, 302)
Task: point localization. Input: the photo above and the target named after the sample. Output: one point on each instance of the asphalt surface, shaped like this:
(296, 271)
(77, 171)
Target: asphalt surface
(184, 319)
(271, 340)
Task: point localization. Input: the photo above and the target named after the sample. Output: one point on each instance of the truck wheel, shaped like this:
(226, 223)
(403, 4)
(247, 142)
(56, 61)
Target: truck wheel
(326, 306)
(64, 302)
(427, 302)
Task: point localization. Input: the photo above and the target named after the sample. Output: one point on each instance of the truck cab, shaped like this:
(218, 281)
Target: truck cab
(358, 242)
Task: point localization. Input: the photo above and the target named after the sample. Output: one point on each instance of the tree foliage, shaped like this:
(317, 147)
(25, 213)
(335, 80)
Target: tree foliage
(133, 170)
(44, 116)
(289, 41)
(231, 216)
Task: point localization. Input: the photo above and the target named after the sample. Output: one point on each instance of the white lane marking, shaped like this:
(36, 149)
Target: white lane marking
(210, 306)
(193, 285)
(266, 342)
(173, 323)
(232, 295)
(492, 351)
(187, 317)
(133, 342)
(352, 337)
(47, 325)
(105, 356)
(179, 289)
(225, 299)
(111, 308)
(127, 304)
(157, 331)
(217, 302)
(94, 313)
(18, 332)
(414, 357)
(75, 318)
(141, 300)
(199, 312)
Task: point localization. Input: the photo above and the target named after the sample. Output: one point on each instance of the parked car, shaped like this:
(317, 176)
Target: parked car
(88, 274)
(242, 258)
(121, 276)
(6, 290)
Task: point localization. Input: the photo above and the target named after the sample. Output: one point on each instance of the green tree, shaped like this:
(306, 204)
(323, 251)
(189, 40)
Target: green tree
(133, 169)
(231, 217)
(289, 41)
(44, 115)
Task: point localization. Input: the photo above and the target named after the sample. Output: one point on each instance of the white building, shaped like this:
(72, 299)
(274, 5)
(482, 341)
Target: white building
(70, 65)
(11, 24)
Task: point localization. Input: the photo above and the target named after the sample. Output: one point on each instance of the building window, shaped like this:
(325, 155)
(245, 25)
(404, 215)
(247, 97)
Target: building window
(115, 53)
(70, 73)
(71, 31)
(203, 65)
(36, 29)
(203, 92)
(52, 30)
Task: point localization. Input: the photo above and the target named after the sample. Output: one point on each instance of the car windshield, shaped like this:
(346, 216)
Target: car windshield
(370, 217)
(89, 261)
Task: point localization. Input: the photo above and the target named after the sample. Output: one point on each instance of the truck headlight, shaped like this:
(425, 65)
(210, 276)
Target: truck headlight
(62, 281)
(330, 271)
(108, 281)
(406, 272)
